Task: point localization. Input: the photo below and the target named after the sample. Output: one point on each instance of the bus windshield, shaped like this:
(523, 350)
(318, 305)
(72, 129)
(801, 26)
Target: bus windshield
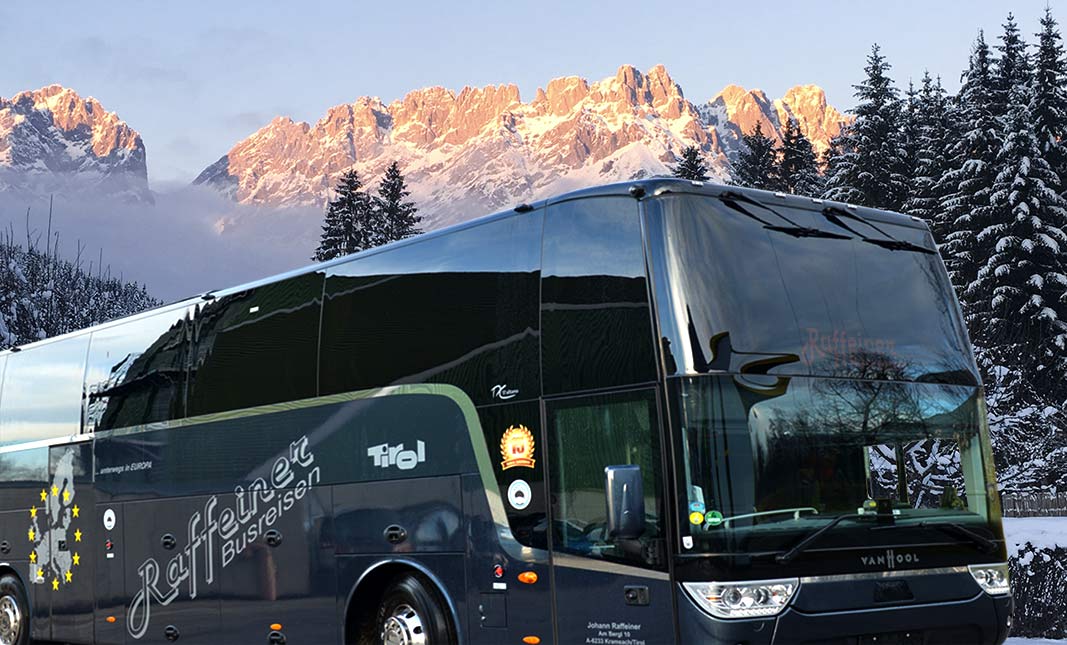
(764, 465)
(798, 294)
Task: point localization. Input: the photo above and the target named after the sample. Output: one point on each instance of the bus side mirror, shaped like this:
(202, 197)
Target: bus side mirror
(626, 502)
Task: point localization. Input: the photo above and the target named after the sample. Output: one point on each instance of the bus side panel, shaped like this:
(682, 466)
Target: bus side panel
(110, 588)
(23, 477)
(168, 575)
(287, 577)
(428, 510)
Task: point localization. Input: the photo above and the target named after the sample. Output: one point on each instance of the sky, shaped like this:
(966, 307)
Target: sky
(195, 77)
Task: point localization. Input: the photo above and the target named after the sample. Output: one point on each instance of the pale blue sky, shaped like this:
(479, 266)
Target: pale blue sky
(194, 77)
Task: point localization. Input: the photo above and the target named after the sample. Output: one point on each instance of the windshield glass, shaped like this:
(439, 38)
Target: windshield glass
(764, 463)
(737, 294)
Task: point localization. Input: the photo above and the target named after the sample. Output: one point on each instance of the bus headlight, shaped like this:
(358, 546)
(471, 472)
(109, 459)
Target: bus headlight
(743, 599)
(992, 578)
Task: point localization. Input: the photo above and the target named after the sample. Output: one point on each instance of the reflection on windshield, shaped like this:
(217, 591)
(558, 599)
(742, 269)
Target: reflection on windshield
(762, 465)
(737, 296)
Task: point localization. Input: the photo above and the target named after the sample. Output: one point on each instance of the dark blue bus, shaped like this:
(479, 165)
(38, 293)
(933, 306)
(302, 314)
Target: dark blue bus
(651, 412)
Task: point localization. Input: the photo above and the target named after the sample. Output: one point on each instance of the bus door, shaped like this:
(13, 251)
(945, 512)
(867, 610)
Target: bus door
(609, 573)
(64, 573)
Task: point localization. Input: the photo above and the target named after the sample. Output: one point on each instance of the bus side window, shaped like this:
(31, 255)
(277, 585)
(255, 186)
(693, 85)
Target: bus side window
(586, 435)
(137, 371)
(256, 347)
(595, 316)
(43, 391)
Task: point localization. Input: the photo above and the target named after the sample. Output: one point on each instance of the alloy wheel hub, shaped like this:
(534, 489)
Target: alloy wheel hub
(403, 627)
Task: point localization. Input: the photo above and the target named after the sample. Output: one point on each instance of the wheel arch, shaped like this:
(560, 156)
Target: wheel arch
(371, 584)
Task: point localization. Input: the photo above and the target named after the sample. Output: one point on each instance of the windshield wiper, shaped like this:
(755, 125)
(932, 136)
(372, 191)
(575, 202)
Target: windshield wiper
(805, 544)
(734, 201)
(985, 544)
(833, 214)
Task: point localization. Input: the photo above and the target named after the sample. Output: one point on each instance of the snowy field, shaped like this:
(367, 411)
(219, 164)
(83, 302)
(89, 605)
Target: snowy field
(1042, 532)
(1032, 641)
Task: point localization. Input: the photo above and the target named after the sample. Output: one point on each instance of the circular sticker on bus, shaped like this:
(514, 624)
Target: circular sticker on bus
(714, 518)
(519, 494)
(109, 519)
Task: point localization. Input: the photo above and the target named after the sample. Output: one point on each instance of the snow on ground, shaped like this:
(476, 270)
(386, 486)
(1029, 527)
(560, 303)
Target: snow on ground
(1042, 532)
(1032, 641)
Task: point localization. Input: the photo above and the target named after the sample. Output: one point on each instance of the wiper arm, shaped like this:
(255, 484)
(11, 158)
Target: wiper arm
(805, 544)
(985, 544)
(734, 201)
(834, 214)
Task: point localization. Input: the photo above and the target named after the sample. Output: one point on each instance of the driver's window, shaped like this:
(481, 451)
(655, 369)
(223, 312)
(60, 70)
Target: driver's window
(587, 434)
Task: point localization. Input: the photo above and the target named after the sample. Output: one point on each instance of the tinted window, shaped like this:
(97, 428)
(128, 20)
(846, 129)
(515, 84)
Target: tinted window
(736, 296)
(460, 308)
(594, 314)
(137, 371)
(586, 435)
(256, 347)
(43, 391)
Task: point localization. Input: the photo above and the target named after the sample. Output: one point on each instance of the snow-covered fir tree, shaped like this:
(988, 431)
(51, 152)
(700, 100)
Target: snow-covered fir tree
(756, 165)
(933, 116)
(967, 185)
(909, 140)
(1012, 67)
(867, 168)
(397, 218)
(1048, 108)
(692, 165)
(1019, 297)
(348, 221)
(798, 168)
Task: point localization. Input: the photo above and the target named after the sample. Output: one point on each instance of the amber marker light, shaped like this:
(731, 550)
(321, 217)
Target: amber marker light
(110, 619)
(276, 627)
(528, 578)
(531, 640)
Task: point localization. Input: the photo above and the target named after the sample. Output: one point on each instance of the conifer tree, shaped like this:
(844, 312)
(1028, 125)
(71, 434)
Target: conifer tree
(867, 168)
(1012, 67)
(1020, 293)
(909, 140)
(966, 188)
(396, 218)
(348, 221)
(1048, 108)
(692, 165)
(798, 168)
(757, 162)
(933, 118)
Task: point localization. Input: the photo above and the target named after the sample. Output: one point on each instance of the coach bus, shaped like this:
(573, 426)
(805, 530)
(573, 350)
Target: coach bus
(653, 412)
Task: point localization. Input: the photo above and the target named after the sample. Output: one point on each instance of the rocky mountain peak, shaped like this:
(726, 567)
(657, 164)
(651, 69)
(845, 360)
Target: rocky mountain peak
(483, 148)
(52, 140)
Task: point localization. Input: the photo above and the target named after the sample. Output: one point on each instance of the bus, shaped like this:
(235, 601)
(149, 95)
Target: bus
(659, 411)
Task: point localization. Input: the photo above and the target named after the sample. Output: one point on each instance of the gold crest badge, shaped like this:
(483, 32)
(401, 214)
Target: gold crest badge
(517, 448)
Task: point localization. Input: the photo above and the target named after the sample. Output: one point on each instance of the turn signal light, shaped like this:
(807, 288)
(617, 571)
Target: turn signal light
(110, 619)
(531, 640)
(528, 577)
(276, 627)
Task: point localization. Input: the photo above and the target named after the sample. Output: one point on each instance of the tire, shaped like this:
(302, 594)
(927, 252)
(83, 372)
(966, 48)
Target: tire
(412, 613)
(14, 612)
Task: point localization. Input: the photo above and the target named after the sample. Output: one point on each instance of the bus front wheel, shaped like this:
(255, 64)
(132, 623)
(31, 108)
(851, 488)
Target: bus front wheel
(14, 612)
(412, 613)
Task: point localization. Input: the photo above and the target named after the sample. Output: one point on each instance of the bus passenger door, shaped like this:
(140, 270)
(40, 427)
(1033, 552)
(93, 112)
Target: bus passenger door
(608, 589)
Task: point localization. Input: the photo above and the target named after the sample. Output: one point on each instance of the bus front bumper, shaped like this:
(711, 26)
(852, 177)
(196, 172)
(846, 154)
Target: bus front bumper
(980, 620)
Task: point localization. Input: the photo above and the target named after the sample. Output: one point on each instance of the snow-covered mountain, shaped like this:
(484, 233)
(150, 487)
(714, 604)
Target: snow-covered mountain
(485, 149)
(54, 141)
